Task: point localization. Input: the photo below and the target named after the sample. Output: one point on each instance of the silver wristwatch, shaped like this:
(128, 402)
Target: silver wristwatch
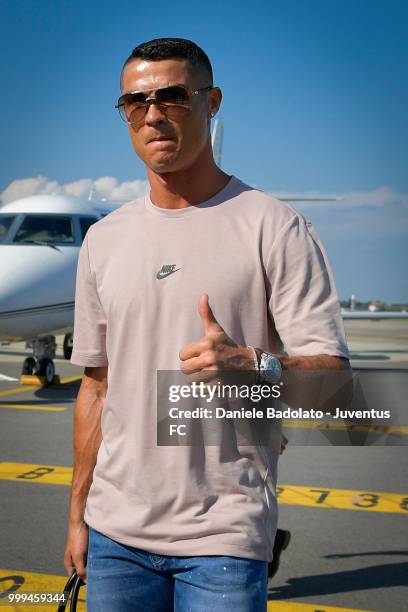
(270, 368)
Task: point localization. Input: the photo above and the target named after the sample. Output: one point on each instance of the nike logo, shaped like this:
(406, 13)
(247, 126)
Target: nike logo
(166, 270)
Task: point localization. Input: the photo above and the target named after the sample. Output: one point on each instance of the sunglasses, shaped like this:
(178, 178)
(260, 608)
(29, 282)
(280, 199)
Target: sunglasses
(175, 101)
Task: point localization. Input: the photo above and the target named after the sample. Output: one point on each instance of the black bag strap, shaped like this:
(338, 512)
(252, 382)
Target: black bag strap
(73, 584)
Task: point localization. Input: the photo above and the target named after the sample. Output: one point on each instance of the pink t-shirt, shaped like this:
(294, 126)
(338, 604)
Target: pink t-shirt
(141, 271)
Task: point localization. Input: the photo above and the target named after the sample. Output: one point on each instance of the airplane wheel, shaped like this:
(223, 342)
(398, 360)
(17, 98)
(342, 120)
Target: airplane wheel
(46, 368)
(68, 345)
(28, 365)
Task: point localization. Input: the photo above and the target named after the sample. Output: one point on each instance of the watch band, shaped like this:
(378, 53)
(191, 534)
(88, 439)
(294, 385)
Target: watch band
(256, 362)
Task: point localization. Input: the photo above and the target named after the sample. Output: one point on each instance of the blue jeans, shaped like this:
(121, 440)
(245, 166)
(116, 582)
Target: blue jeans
(121, 578)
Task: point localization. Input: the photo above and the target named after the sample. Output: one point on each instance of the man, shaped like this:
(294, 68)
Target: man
(204, 274)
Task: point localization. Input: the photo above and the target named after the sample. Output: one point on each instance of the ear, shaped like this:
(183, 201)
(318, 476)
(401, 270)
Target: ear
(214, 100)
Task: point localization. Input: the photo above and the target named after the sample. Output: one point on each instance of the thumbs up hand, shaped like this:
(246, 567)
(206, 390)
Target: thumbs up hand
(215, 351)
(211, 325)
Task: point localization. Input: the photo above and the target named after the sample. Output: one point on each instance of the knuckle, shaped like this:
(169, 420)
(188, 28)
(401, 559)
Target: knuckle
(80, 568)
(210, 357)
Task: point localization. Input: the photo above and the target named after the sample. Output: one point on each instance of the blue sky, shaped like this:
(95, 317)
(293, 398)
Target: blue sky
(315, 99)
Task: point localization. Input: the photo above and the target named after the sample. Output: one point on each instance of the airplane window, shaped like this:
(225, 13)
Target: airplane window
(5, 222)
(85, 223)
(45, 228)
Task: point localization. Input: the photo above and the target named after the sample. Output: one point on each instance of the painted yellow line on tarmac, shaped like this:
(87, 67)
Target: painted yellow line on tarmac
(44, 474)
(70, 379)
(343, 499)
(326, 425)
(32, 407)
(24, 587)
(26, 388)
(294, 495)
(288, 606)
(15, 390)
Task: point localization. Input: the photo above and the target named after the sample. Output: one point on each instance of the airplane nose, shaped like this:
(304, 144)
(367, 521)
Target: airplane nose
(37, 284)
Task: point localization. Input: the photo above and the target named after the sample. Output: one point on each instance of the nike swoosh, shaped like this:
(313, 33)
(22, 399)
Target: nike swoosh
(160, 274)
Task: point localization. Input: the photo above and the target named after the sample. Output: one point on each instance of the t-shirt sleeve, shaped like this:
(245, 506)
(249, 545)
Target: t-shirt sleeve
(302, 296)
(89, 344)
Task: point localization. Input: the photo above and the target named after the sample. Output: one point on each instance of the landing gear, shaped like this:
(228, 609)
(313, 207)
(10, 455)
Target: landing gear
(29, 364)
(68, 346)
(45, 367)
(41, 364)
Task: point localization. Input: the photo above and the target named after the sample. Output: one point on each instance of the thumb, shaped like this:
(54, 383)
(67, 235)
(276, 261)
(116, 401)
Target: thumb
(210, 322)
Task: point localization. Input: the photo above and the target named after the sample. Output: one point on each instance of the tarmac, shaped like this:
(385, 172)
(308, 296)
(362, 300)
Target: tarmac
(346, 505)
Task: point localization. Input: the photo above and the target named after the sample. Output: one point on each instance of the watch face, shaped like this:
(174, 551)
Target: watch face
(270, 368)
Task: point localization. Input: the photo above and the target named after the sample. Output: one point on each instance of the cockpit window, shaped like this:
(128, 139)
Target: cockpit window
(45, 228)
(85, 223)
(5, 222)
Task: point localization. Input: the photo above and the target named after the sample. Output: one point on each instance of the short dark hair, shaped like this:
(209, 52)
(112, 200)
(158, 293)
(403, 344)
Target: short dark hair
(171, 48)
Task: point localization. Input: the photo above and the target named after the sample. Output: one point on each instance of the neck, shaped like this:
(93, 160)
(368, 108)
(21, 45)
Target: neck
(189, 186)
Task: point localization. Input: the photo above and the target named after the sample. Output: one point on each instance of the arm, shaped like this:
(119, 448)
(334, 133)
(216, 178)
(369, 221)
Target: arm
(319, 382)
(87, 440)
(314, 362)
(324, 381)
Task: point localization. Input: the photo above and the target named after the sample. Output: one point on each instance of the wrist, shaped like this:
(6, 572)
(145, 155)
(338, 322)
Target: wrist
(258, 352)
(253, 362)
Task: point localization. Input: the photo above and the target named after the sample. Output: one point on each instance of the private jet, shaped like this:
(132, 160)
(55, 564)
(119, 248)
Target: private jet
(40, 238)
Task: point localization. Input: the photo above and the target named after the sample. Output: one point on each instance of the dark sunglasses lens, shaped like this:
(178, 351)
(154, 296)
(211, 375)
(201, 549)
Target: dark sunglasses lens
(132, 106)
(137, 98)
(129, 100)
(173, 95)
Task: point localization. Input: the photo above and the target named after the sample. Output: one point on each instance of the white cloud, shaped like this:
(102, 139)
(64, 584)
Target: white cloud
(79, 189)
(106, 187)
(22, 188)
(109, 188)
(127, 190)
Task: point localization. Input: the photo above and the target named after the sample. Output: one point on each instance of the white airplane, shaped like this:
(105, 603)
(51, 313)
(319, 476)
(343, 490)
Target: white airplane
(40, 238)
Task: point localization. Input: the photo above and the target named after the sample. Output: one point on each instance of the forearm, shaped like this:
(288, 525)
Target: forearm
(87, 440)
(241, 358)
(314, 362)
(316, 381)
(321, 382)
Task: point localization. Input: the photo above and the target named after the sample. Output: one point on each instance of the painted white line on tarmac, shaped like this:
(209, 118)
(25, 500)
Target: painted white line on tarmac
(4, 377)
